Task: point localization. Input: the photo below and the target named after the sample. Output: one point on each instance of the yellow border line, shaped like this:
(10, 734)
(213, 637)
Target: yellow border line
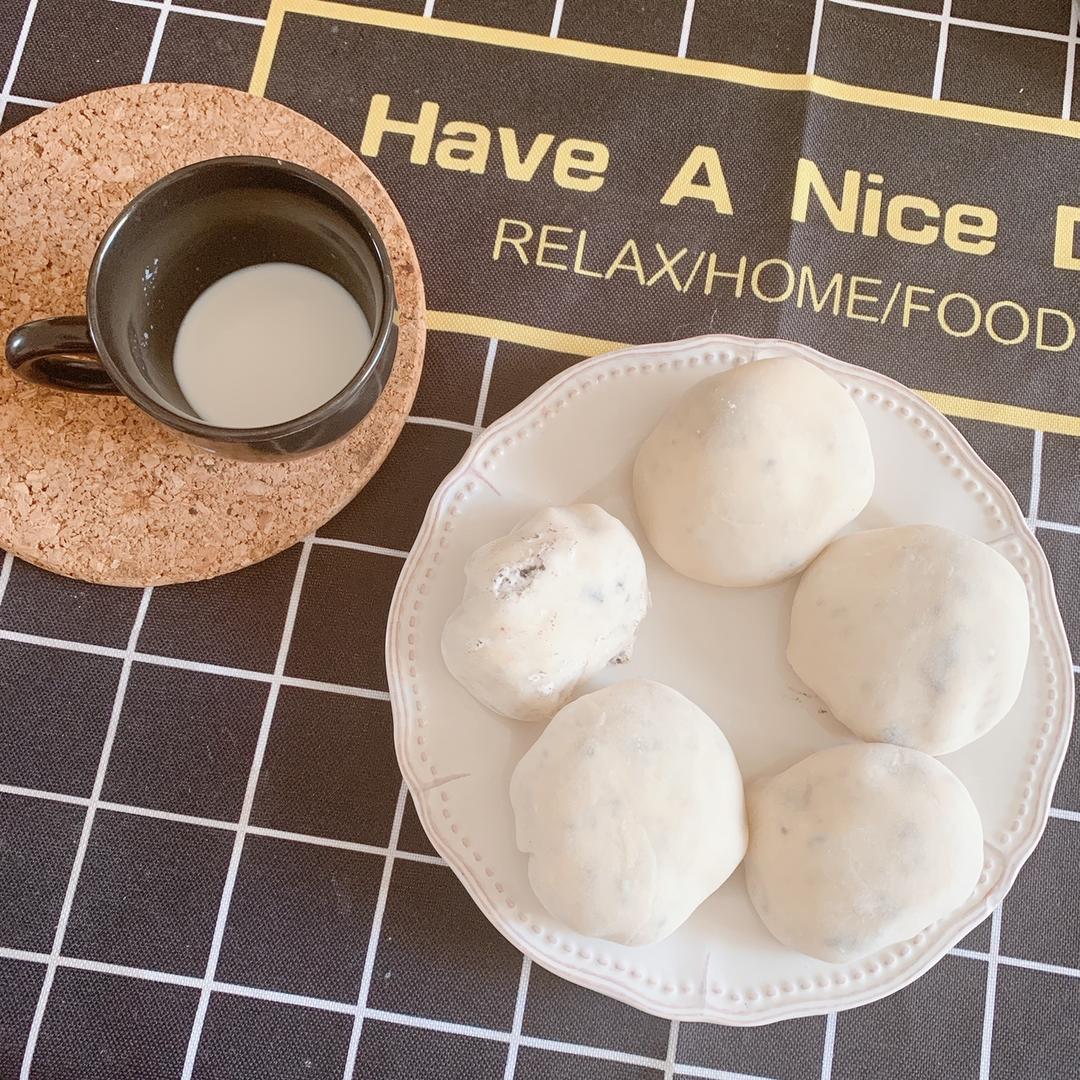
(480, 326)
(268, 44)
(995, 412)
(647, 61)
(576, 344)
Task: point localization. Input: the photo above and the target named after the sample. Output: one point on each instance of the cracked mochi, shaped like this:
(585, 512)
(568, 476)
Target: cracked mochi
(630, 808)
(859, 847)
(915, 635)
(545, 607)
(752, 472)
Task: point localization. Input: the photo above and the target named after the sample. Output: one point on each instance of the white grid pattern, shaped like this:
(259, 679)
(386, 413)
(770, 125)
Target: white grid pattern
(1070, 63)
(163, 7)
(556, 18)
(687, 22)
(245, 813)
(992, 961)
(376, 929)
(669, 1067)
(183, 9)
(16, 56)
(438, 421)
(84, 837)
(815, 37)
(666, 1066)
(493, 1034)
(226, 826)
(943, 45)
(5, 573)
(519, 1017)
(827, 1048)
(995, 919)
(485, 386)
(35, 103)
(155, 41)
(953, 20)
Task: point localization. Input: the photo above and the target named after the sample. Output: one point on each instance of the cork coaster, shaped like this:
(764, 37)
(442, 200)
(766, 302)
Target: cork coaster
(92, 487)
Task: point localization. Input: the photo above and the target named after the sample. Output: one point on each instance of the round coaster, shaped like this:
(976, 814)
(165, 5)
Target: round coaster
(92, 487)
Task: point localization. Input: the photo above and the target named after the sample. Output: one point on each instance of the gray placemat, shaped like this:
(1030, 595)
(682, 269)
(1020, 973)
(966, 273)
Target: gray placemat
(208, 864)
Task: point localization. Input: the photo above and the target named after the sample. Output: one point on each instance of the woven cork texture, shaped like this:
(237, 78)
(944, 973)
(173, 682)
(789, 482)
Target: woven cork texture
(92, 487)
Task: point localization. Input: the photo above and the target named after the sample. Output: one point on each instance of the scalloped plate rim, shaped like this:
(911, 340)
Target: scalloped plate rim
(826, 999)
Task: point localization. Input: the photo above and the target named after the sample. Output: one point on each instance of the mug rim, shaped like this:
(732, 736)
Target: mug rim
(192, 425)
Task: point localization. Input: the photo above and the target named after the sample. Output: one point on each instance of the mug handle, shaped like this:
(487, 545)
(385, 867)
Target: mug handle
(58, 353)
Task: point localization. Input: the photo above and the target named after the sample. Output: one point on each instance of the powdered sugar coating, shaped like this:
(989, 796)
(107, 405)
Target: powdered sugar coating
(915, 635)
(546, 606)
(859, 847)
(752, 472)
(630, 806)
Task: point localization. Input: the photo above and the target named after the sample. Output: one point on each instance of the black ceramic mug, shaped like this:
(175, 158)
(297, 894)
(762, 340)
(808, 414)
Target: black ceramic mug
(172, 242)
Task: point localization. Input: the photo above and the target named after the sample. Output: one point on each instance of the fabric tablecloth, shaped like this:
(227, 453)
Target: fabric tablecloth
(209, 866)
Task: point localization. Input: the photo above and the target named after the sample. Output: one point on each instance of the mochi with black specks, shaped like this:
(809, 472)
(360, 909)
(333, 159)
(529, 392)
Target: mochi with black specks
(752, 472)
(630, 808)
(546, 607)
(915, 635)
(860, 847)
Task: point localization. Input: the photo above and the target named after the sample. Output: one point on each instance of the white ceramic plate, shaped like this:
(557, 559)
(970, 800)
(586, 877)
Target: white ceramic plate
(574, 440)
